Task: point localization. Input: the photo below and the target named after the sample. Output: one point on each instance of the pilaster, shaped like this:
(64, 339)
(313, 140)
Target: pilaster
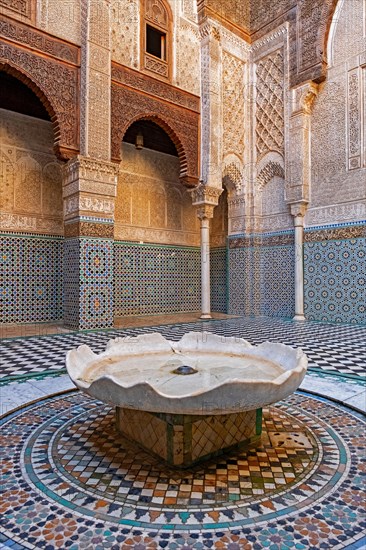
(211, 67)
(298, 164)
(89, 192)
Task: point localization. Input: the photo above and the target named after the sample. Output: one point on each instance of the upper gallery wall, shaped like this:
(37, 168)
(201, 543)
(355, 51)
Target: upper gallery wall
(62, 18)
(338, 179)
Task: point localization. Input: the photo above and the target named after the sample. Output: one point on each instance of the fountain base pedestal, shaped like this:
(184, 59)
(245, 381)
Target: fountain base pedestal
(183, 440)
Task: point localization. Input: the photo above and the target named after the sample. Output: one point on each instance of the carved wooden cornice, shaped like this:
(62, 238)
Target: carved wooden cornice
(137, 100)
(35, 39)
(156, 88)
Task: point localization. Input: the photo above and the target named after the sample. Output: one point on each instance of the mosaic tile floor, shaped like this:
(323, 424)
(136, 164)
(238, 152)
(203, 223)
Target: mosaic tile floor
(330, 348)
(70, 481)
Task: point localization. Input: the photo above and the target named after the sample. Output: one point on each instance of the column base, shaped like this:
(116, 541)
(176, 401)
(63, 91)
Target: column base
(206, 316)
(298, 317)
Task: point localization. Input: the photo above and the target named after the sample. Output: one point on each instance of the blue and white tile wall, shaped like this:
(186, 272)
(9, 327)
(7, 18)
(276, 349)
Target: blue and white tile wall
(261, 275)
(156, 279)
(88, 283)
(30, 278)
(219, 289)
(335, 273)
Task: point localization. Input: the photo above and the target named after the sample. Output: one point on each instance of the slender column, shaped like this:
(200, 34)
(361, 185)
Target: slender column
(205, 268)
(298, 211)
(205, 198)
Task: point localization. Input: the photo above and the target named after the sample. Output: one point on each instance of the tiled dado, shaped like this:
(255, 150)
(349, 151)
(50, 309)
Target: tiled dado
(335, 273)
(88, 283)
(30, 278)
(261, 275)
(153, 279)
(218, 263)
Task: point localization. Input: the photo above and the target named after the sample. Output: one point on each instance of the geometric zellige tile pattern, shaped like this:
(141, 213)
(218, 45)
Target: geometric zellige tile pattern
(277, 289)
(88, 283)
(152, 279)
(261, 281)
(335, 280)
(215, 432)
(218, 279)
(31, 279)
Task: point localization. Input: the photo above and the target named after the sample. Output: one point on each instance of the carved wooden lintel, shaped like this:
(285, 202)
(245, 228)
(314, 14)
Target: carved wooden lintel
(129, 104)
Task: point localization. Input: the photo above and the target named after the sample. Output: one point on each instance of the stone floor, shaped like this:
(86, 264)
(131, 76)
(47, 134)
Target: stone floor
(69, 480)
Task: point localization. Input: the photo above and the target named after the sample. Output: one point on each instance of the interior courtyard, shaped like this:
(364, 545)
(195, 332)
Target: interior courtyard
(176, 166)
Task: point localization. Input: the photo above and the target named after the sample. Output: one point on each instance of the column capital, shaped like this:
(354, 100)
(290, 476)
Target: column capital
(298, 209)
(302, 98)
(205, 212)
(205, 195)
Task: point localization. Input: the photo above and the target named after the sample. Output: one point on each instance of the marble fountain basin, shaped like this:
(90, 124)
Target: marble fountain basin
(188, 400)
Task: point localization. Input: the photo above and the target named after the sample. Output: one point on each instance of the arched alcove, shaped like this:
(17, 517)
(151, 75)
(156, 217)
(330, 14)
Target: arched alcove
(30, 205)
(156, 229)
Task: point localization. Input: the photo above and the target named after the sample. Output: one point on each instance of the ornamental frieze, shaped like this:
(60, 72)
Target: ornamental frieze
(262, 240)
(335, 233)
(156, 88)
(15, 31)
(86, 229)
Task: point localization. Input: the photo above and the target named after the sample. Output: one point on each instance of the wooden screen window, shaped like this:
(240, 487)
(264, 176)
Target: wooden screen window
(156, 34)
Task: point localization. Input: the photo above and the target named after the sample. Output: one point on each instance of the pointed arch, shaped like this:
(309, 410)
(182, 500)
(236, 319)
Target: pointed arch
(153, 117)
(56, 84)
(10, 69)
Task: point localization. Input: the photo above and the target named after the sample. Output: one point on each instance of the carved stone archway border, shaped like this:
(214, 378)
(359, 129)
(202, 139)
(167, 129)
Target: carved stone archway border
(56, 85)
(167, 108)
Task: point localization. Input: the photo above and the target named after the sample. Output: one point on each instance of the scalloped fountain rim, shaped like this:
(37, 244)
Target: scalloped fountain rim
(144, 385)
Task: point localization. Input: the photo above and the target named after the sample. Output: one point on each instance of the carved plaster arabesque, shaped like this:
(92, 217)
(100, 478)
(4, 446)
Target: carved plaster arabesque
(233, 104)
(232, 175)
(55, 82)
(95, 79)
(211, 108)
(271, 170)
(89, 188)
(188, 57)
(205, 195)
(270, 104)
(356, 111)
(340, 212)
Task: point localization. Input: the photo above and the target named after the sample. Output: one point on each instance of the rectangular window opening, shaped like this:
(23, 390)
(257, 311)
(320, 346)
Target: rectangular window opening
(155, 42)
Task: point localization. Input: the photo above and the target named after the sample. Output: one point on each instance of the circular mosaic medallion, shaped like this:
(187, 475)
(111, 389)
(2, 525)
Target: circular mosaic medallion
(69, 477)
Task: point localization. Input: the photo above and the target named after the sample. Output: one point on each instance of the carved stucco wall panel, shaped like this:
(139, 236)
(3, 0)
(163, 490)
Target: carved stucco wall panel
(233, 105)
(151, 204)
(30, 176)
(338, 191)
(60, 18)
(270, 104)
(188, 57)
(125, 36)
